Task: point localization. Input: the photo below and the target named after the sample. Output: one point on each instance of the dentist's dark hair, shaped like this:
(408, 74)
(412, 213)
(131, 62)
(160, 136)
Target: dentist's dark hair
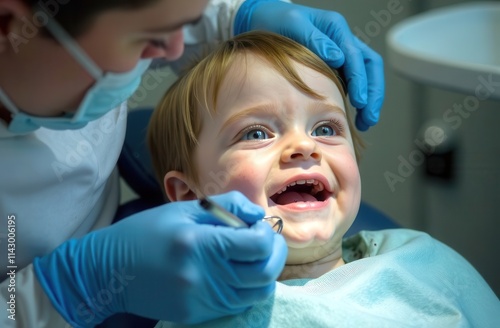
(76, 16)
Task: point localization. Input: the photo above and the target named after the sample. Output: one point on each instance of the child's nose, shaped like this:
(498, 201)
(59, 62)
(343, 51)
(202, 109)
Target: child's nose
(301, 147)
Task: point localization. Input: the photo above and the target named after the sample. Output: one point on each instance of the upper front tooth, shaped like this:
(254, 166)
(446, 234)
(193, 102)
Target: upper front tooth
(301, 182)
(310, 181)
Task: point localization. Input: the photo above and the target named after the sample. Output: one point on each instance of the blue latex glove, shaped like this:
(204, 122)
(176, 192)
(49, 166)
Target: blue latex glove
(328, 35)
(162, 264)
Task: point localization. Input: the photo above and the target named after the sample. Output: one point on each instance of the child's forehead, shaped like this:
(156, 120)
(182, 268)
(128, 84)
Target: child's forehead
(270, 90)
(249, 59)
(250, 74)
(247, 64)
(250, 67)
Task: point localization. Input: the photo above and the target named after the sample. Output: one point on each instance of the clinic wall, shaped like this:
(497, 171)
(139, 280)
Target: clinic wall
(463, 212)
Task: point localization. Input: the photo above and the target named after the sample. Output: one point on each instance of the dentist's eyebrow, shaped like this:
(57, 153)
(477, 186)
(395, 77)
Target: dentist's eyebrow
(259, 110)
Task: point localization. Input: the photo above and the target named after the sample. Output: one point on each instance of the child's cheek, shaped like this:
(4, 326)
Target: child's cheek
(350, 183)
(246, 180)
(352, 173)
(247, 171)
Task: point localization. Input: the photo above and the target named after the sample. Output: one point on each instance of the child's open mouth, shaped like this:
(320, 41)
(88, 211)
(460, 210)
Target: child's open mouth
(310, 190)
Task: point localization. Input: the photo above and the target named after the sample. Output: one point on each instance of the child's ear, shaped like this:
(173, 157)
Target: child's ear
(177, 187)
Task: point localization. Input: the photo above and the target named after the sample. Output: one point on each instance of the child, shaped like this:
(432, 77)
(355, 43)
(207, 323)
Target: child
(263, 115)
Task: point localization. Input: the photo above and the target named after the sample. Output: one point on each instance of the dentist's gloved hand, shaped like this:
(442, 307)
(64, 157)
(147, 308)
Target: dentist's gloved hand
(165, 264)
(327, 34)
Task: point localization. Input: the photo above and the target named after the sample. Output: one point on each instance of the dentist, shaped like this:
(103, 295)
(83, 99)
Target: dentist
(67, 68)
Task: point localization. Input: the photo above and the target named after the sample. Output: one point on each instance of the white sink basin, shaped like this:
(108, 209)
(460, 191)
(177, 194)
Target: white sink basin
(455, 47)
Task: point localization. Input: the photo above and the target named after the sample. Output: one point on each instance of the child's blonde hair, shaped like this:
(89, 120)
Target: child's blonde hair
(176, 123)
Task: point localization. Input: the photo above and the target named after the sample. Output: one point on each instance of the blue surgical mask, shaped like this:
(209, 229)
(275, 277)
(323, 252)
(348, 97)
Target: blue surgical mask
(109, 91)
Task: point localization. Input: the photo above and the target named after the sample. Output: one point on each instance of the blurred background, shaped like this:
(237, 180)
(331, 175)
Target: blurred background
(452, 197)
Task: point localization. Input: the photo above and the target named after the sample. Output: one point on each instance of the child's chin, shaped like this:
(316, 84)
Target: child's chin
(308, 239)
(315, 230)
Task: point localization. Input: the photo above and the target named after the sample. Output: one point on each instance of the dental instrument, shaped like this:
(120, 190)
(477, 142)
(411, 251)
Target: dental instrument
(232, 220)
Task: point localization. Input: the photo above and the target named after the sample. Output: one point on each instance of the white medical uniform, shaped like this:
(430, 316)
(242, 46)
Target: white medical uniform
(62, 184)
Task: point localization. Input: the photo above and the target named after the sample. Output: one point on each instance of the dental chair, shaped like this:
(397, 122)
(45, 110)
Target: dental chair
(136, 169)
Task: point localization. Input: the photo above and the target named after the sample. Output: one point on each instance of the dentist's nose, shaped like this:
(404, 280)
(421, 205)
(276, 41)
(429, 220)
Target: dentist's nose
(301, 147)
(175, 46)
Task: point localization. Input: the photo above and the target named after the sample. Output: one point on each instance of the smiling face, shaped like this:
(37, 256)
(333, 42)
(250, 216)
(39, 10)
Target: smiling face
(287, 151)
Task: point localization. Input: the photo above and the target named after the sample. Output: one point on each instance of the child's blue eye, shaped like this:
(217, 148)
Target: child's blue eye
(323, 131)
(255, 134)
(330, 128)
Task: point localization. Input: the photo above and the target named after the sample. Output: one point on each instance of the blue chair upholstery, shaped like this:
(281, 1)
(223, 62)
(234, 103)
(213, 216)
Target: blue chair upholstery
(135, 164)
(136, 169)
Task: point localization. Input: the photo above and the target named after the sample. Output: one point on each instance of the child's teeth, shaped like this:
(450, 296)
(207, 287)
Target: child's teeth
(318, 186)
